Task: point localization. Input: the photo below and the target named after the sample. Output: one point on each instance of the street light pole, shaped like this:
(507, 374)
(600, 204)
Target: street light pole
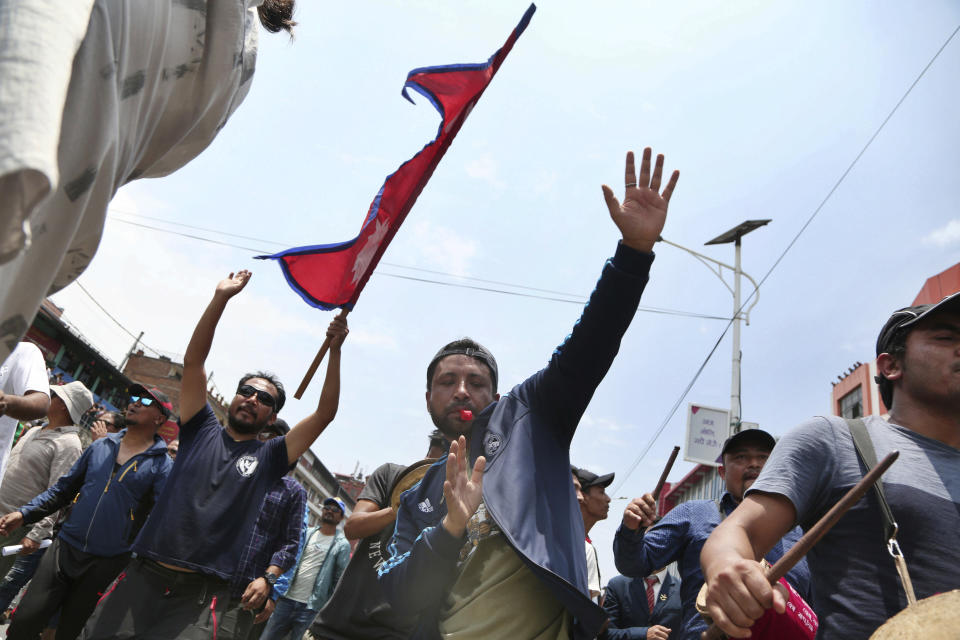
(733, 235)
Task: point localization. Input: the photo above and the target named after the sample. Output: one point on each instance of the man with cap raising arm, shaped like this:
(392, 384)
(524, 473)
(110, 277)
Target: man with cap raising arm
(112, 487)
(856, 585)
(41, 456)
(497, 552)
(679, 536)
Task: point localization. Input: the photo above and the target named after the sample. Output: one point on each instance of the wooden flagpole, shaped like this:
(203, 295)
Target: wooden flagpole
(308, 376)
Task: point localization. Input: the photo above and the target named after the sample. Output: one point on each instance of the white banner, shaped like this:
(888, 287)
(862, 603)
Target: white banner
(707, 429)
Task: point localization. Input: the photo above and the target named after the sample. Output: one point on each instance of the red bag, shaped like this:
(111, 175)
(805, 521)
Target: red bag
(797, 622)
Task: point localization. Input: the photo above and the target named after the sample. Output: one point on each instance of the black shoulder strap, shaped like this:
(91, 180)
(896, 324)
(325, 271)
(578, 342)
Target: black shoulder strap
(864, 446)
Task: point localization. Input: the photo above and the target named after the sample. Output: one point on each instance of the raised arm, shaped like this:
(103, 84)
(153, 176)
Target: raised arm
(737, 591)
(562, 390)
(309, 429)
(193, 386)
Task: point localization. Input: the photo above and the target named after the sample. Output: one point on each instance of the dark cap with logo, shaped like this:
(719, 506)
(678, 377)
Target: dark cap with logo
(163, 402)
(479, 352)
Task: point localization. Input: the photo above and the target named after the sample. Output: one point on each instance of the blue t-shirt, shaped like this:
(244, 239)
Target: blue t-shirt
(856, 587)
(206, 513)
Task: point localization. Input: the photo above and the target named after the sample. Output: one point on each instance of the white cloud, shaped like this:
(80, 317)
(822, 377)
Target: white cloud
(485, 168)
(443, 247)
(946, 235)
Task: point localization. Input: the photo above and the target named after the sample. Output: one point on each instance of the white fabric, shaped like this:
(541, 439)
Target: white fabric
(314, 553)
(96, 93)
(24, 370)
(593, 571)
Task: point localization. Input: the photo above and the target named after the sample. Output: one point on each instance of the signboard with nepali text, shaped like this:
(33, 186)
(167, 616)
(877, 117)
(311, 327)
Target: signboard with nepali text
(707, 428)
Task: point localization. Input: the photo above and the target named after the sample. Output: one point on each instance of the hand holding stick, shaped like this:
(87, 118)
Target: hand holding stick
(308, 376)
(811, 537)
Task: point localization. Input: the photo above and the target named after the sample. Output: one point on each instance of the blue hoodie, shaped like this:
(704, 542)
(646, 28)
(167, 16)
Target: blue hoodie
(109, 506)
(527, 489)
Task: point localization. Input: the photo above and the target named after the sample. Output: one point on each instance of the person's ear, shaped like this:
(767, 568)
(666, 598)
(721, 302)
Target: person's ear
(722, 472)
(889, 367)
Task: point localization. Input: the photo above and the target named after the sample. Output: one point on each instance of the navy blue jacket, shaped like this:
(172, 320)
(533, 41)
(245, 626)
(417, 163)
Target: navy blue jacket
(111, 507)
(625, 601)
(525, 437)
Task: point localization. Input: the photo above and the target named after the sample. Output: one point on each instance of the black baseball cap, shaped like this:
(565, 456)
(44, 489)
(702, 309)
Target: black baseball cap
(480, 353)
(752, 436)
(590, 479)
(909, 316)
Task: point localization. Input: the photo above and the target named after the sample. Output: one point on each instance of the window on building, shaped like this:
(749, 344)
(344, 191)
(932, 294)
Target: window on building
(851, 405)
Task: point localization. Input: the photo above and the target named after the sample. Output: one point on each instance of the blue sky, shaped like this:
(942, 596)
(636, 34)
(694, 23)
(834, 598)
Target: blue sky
(762, 107)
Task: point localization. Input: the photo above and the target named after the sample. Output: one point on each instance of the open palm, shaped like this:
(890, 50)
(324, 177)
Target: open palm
(462, 491)
(643, 212)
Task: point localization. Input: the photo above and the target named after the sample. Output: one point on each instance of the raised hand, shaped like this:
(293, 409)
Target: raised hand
(337, 331)
(98, 430)
(641, 512)
(233, 284)
(644, 210)
(462, 491)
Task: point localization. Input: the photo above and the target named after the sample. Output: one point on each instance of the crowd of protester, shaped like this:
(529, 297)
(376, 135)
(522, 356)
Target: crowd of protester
(120, 534)
(116, 533)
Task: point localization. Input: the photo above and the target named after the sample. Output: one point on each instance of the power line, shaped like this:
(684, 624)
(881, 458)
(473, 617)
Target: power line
(789, 246)
(109, 315)
(575, 300)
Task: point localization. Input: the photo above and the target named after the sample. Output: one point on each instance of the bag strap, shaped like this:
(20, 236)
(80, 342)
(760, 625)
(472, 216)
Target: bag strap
(865, 451)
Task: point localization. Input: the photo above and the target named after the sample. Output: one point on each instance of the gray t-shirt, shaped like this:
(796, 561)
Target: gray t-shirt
(856, 587)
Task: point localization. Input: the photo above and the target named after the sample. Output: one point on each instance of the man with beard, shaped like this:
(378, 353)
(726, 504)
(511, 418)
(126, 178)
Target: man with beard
(639, 551)
(112, 487)
(323, 558)
(499, 552)
(178, 586)
(856, 583)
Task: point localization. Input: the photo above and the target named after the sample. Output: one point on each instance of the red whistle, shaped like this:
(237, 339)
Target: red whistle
(466, 415)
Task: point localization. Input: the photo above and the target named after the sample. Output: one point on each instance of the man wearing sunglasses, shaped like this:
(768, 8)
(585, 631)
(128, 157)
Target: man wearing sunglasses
(115, 482)
(178, 586)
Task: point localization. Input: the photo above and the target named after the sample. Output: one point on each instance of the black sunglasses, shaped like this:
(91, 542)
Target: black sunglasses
(263, 397)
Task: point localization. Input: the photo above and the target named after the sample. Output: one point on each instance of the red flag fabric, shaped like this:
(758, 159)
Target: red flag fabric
(333, 275)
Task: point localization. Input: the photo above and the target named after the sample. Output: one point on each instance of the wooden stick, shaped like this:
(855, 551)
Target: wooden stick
(802, 547)
(663, 476)
(308, 376)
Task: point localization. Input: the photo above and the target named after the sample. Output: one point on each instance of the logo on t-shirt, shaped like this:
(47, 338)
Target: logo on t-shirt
(491, 442)
(246, 465)
(425, 506)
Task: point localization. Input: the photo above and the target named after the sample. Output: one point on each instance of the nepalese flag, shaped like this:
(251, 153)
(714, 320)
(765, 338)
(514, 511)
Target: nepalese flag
(333, 275)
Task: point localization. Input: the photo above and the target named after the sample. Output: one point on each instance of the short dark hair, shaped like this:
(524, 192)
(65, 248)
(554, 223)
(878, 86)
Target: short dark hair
(272, 379)
(277, 15)
(465, 346)
(897, 348)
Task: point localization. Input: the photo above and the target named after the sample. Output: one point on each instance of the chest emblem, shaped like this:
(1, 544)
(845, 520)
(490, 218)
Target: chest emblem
(663, 597)
(246, 465)
(425, 506)
(491, 443)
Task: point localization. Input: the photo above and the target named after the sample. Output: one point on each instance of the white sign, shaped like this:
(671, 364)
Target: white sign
(707, 428)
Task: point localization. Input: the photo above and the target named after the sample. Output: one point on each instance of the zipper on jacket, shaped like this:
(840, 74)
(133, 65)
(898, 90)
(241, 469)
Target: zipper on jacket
(133, 466)
(93, 516)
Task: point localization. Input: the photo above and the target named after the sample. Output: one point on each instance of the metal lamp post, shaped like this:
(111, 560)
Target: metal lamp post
(733, 235)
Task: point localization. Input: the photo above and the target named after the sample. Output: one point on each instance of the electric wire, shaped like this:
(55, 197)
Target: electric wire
(109, 315)
(786, 250)
(575, 300)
